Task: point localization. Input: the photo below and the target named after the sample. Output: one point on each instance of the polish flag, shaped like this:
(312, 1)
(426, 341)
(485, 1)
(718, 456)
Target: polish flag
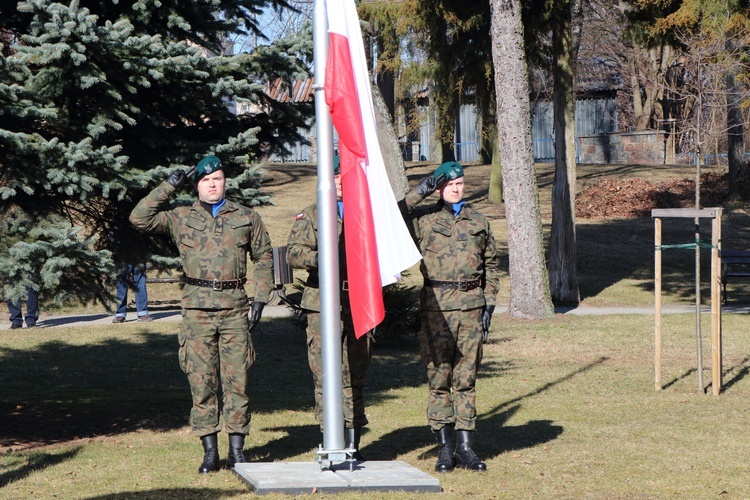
(378, 243)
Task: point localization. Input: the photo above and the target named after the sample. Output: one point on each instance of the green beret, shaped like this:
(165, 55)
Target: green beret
(207, 165)
(451, 169)
(336, 161)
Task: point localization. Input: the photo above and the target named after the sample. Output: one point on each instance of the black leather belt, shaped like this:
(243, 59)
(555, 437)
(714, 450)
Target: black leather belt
(216, 285)
(462, 286)
(344, 285)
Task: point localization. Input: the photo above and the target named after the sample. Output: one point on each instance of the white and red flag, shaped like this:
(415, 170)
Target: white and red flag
(378, 244)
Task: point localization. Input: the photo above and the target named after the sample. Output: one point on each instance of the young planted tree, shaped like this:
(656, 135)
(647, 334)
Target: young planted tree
(118, 95)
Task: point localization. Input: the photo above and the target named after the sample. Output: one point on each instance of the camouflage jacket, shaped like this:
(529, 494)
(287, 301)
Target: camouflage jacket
(453, 249)
(302, 253)
(211, 249)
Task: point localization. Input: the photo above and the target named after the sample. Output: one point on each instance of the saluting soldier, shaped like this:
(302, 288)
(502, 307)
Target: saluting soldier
(214, 237)
(302, 253)
(461, 280)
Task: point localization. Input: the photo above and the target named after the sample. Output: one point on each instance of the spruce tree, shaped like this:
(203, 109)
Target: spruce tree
(99, 102)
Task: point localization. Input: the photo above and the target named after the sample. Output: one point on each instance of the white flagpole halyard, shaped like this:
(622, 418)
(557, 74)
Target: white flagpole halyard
(328, 258)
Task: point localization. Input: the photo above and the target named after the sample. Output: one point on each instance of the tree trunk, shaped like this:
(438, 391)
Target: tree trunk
(495, 193)
(529, 285)
(563, 273)
(389, 146)
(735, 143)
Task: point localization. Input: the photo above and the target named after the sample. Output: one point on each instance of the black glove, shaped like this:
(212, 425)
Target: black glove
(179, 176)
(257, 310)
(486, 319)
(426, 186)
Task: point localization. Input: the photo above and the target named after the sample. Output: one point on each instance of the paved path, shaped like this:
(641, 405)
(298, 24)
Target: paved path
(173, 314)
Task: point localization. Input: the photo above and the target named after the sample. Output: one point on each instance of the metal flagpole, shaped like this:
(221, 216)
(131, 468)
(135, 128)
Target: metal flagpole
(293, 478)
(328, 258)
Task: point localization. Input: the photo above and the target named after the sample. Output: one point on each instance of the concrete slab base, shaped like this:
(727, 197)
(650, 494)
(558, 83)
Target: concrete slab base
(298, 478)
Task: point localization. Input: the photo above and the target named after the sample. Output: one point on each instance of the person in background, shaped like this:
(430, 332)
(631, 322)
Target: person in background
(32, 310)
(461, 272)
(302, 253)
(214, 237)
(132, 275)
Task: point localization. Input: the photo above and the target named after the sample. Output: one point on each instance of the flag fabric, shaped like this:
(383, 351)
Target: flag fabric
(378, 244)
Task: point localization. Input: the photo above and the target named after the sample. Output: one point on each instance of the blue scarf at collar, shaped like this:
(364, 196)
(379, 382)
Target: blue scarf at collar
(455, 208)
(217, 206)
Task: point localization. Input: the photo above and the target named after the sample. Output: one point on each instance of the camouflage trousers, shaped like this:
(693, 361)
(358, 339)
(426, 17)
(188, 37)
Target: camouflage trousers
(451, 350)
(355, 360)
(216, 353)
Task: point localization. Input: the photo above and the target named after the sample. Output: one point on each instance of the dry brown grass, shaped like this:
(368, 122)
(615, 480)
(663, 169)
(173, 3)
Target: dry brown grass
(566, 406)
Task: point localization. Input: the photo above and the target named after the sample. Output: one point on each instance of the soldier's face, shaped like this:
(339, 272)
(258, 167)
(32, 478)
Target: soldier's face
(337, 182)
(211, 187)
(452, 191)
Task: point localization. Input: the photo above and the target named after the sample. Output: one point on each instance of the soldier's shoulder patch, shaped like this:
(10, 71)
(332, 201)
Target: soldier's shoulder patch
(300, 216)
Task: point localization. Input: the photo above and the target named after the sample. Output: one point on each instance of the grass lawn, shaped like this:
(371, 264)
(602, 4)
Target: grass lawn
(567, 406)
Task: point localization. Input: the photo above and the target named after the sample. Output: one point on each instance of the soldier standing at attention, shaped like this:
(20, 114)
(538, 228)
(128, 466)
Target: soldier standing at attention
(461, 281)
(302, 253)
(214, 236)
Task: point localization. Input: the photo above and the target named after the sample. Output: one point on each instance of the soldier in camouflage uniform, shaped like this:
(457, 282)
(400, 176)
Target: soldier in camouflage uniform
(461, 280)
(302, 253)
(214, 237)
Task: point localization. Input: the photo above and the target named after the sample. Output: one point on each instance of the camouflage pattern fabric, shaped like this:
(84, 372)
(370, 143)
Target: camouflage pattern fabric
(215, 345)
(450, 345)
(211, 249)
(355, 360)
(302, 253)
(454, 248)
(216, 352)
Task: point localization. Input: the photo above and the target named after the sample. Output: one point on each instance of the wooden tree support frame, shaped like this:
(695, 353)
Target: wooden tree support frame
(716, 349)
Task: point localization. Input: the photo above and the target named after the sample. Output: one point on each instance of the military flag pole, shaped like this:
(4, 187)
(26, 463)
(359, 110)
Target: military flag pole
(328, 258)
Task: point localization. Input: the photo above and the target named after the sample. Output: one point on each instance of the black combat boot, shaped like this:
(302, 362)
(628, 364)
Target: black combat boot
(445, 462)
(352, 441)
(236, 455)
(211, 454)
(465, 456)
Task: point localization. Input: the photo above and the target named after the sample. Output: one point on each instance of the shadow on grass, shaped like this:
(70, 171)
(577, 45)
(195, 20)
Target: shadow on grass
(35, 462)
(299, 439)
(741, 368)
(677, 379)
(198, 493)
(59, 392)
(494, 437)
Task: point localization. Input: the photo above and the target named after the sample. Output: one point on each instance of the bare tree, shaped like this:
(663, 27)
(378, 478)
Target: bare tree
(705, 84)
(643, 61)
(529, 286)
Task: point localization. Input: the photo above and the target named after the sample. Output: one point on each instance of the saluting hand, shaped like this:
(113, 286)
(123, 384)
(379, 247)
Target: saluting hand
(179, 176)
(426, 186)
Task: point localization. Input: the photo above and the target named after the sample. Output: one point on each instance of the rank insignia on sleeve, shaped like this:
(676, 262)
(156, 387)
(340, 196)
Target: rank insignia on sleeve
(300, 216)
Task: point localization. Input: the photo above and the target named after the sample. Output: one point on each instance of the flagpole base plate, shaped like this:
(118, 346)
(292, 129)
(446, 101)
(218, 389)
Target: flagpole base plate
(301, 478)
